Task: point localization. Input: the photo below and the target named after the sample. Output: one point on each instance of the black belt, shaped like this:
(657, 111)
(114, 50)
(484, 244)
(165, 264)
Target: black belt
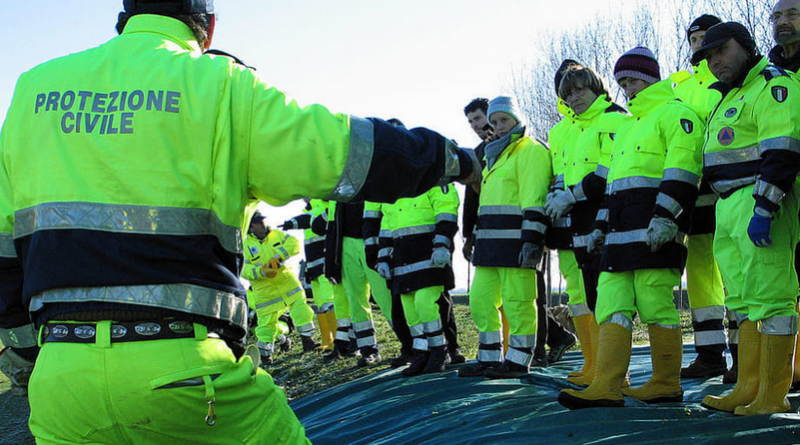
(120, 331)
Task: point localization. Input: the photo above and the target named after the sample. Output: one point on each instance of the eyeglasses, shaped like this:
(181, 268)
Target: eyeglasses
(790, 14)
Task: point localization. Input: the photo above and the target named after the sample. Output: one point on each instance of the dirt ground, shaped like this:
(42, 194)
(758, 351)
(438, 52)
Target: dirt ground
(15, 411)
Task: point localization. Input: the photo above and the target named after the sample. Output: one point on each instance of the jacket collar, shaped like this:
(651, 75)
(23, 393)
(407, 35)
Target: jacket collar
(651, 98)
(597, 108)
(778, 58)
(172, 29)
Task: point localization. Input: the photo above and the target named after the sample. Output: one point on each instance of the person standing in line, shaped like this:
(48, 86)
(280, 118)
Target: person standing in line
(509, 244)
(703, 279)
(751, 158)
(579, 141)
(653, 178)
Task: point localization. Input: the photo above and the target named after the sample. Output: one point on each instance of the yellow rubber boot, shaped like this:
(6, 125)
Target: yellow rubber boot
(588, 331)
(506, 330)
(666, 353)
(327, 327)
(613, 356)
(774, 377)
(747, 377)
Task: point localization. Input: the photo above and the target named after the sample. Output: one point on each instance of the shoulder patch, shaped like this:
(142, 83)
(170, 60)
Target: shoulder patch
(772, 71)
(780, 93)
(687, 125)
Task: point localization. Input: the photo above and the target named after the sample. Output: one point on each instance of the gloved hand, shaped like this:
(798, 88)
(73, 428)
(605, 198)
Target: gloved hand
(596, 240)
(530, 256)
(560, 204)
(759, 228)
(440, 257)
(288, 225)
(467, 250)
(660, 231)
(384, 270)
(17, 368)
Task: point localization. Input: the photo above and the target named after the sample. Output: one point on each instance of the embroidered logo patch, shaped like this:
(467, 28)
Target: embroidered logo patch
(780, 93)
(731, 112)
(725, 136)
(687, 126)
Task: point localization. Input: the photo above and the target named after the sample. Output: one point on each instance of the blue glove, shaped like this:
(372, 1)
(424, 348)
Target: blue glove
(760, 225)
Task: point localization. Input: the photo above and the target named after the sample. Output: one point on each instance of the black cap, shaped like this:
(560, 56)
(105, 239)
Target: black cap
(169, 7)
(717, 35)
(702, 23)
(564, 66)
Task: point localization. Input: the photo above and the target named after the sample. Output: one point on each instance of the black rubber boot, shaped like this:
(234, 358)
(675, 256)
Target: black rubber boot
(438, 360)
(309, 345)
(418, 365)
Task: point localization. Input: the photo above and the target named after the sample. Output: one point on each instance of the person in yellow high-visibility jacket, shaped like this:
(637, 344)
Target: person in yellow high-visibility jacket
(275, 286)
(653, 178)
(509, 244)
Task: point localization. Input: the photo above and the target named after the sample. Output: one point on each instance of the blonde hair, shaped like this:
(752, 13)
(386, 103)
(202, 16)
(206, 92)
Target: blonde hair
(580, 76)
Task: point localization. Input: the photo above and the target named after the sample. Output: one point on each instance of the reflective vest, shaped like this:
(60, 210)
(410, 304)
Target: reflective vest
(512, 199)
(417, 226)
(753, 137)
(654, 170)
(559, 235)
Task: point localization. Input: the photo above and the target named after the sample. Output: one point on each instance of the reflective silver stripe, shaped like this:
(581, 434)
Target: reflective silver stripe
(365, 342)
(306, 329)
(708, 313)
(669, 203)
(180, 297)
(315, 239)
(294, 291)
(738, 316)
(733, 336)
(342, 335)
(452, 168)
(519, 357)
(681, 175)
(266, 348)
(618, 318)
(386, 252)
(770, 191)
(7, 249)
(364, 326)
(780, 143)
(559, 181)
(420, 344)
(522, 341)
(779, 325)
(489, 338)
(371, 241)
(19, 337)
(316, 263)
(487, 355)
(359, 158)
(632, 182)
(534, 209)
(385, 233)
(499, 210)
(602, 215)
(415, 230)
(372, 214)
(638, 236)
(284, 252)
(563, 222)
(706, 200)
(413, 267)
(446, 217)
(706, 338)
(577, 192)
(269, 303)
(343, 323)
(441, 239)
(727, 157)
(578, 310)
(498, 234)
(602, 171)
(581, 241)
(436, 340)
(534, 225)
(432, 326)
(417, 330)
(732, 184)
(141, 220)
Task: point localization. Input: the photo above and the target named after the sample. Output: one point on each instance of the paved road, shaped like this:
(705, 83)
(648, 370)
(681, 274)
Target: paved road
(14, 423)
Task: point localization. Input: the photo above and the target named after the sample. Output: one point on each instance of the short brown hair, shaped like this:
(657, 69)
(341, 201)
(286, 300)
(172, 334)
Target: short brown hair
(575, 76)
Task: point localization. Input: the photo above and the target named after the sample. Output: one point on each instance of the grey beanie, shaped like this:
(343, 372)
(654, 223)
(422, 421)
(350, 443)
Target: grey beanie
(506, 104)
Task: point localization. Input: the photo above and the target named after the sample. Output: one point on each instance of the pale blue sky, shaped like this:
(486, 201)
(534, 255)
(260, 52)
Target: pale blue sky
(419, 61)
